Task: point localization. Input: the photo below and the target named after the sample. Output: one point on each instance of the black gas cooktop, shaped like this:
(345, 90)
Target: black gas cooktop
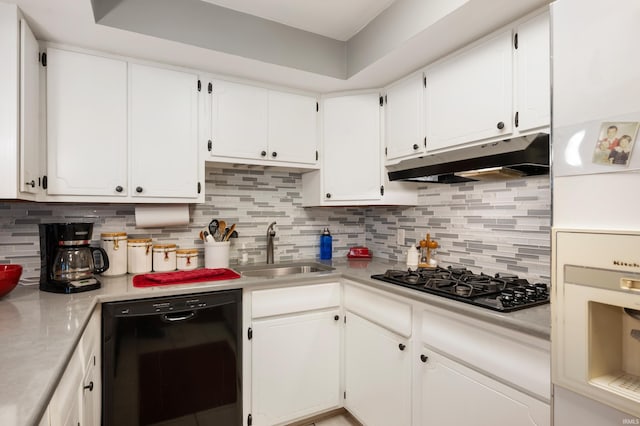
(500, 292)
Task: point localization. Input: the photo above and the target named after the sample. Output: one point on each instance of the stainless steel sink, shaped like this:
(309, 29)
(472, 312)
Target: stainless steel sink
(282, 269)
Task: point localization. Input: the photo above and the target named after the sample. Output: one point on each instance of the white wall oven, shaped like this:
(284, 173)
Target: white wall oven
(596, 321)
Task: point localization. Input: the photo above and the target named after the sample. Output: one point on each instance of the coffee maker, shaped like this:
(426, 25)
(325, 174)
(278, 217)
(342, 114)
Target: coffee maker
(67, 263)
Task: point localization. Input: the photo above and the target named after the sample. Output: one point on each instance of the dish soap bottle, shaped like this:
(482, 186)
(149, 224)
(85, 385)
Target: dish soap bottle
(326, 247)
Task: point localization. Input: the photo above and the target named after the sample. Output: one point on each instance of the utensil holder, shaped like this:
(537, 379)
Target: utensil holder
(216, 254)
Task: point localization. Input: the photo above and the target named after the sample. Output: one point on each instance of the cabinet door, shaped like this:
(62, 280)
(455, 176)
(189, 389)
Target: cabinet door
(29, 111)
(239, 121)
(91, 394)
(404, 131)
(292, 128)
(455, 395)
(352, 165)
(377, 374)
(533, 88)
(469, 96)
(163, 111)
(295, 366)
(86, 124)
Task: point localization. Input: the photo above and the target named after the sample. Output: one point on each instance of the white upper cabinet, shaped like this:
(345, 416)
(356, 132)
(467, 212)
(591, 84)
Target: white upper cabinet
(163, 132)
(119, 131)
(20, 168)
(469, 94)
(86, 124)
(254, 125)
(30, 172)
(533, 70)
(352, 165)
(292, 127)
(403, 118)
(239, 121)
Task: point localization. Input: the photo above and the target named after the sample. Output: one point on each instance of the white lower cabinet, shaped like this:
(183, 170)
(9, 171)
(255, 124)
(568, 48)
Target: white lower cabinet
(452, 394)
(295, 365)
(77, 399)
(377, 373)
(293, 347)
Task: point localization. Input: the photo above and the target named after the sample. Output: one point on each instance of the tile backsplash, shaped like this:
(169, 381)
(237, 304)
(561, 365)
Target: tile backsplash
(501, 226)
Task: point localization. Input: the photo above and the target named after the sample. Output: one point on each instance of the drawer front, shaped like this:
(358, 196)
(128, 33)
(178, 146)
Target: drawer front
(521, 360)
(278, 301)
(381, 309)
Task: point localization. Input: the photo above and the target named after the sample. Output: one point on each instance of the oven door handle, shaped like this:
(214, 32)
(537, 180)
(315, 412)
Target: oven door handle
(181, 316)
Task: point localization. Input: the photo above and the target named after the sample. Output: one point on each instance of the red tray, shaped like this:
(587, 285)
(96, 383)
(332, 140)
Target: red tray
(184, 277)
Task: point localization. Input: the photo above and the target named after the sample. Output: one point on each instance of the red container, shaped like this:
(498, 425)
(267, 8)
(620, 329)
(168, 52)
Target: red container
(9, 277)
(359, 253)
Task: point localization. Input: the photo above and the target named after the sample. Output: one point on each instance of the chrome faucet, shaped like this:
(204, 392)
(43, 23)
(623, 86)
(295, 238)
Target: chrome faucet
(270, 234)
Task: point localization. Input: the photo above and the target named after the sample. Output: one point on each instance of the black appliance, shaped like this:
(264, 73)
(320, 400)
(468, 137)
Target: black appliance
(501, 292)
(174, 359)
(67, 263)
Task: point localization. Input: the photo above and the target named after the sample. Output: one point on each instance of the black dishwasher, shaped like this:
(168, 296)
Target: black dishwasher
(174, 359)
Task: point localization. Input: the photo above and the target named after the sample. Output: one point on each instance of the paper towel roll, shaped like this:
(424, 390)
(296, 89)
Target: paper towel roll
(161, 215)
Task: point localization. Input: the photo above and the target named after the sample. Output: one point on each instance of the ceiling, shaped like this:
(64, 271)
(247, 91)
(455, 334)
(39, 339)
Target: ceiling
(318, 46)
(336, 19)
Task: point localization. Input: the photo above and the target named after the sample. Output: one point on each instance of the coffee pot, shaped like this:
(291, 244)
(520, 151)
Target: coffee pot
(67, 262)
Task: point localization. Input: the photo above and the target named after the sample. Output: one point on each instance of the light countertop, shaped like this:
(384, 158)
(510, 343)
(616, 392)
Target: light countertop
(39, 331)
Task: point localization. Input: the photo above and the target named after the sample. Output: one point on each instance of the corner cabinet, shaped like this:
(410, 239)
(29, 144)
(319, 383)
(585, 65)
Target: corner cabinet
(255, 125)
(351, 170)
(377, 358)
(293, 345)
(119, 131)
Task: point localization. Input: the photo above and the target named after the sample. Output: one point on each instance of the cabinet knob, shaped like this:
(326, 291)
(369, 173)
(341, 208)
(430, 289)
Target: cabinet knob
(263, 154)
(336, 317)
(423, 358)
(328, 195)
(416, 146)
(500, 125)
(402, 346)
(119, 188)
(89, 386)
(274, 154)
(138, 189)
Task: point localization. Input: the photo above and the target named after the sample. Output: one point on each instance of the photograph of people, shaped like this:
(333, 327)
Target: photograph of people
(612, 149)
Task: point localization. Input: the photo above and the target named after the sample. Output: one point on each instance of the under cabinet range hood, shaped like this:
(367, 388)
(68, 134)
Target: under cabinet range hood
(507, 159)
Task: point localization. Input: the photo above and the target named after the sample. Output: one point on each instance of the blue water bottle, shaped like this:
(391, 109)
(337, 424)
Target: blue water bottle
(325, 245)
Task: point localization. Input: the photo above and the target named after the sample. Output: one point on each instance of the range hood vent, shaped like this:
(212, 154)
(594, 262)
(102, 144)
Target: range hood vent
(508, 159)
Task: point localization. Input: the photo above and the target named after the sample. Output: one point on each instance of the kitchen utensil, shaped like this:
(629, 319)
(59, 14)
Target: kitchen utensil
(201, 235)
(221, 227)
(228, 232)
(9, 277)
(213, 226)
(233, 234)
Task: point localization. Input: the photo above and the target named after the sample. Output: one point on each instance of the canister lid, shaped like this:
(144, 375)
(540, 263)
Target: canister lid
(139, 241)
(113, 234)
(164, 246)
(187, 251)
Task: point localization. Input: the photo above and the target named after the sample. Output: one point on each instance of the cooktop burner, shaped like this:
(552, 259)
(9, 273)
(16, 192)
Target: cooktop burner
(501, 292)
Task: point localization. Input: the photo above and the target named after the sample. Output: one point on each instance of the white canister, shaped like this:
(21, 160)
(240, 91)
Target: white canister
(216, 254)
(164, 257)
(115, 245)
(187, 259)
(139, 258)
(413, 256)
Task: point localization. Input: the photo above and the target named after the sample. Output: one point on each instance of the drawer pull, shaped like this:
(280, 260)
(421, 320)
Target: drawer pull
(423, 358)
(402, 346)
(89, 386)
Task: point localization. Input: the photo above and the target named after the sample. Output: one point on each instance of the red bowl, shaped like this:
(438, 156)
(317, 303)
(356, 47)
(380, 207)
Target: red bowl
(9, 277)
